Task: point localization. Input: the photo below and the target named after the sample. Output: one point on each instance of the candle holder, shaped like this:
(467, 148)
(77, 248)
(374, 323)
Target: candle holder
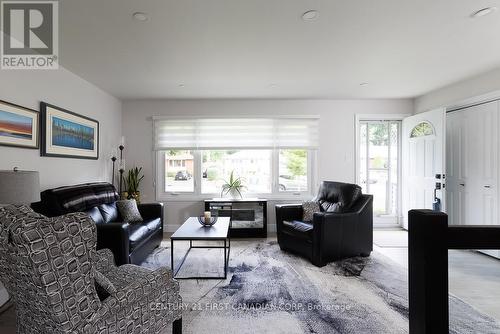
(113, 158)
(207, 222)
(122, 166)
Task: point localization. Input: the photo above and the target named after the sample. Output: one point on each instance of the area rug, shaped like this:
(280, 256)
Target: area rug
(270, 291)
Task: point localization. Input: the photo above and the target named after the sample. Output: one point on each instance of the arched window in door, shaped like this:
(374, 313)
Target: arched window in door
(422, 129)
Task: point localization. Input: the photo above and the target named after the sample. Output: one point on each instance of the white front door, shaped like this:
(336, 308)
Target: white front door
(423, 161)
(378, 168)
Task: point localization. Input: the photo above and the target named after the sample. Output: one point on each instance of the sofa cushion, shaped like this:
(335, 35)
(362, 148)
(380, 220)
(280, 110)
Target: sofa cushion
(338, 196)
(96, 215)
(128, 211)
(153, 225)
(138, 233)
(80, 197)
(298, 229)
(109, 212)
(332, 207)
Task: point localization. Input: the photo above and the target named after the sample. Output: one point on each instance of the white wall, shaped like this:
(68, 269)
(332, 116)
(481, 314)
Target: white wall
(475, 89)
(64, 89)
(61, 88)
(336, 160)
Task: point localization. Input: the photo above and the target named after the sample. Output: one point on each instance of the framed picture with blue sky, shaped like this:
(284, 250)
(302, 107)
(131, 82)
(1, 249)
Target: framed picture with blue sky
(18, 126)
(66, 134)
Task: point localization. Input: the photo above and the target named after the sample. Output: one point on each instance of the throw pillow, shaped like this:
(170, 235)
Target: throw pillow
(129, 211)
(309, 208)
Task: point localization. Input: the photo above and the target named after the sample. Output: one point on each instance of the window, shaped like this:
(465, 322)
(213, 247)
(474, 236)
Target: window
(422, 129)
(253, 166)
(293, 170)
(179, 171)
(273, 157)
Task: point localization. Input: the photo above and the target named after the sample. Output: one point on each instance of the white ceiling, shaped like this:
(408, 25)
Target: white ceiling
(263, 49)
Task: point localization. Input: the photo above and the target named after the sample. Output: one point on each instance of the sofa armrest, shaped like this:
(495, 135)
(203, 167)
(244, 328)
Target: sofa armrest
(337, 235)
(114, 236)
(142, 295)
(151, 211)
(287, 212)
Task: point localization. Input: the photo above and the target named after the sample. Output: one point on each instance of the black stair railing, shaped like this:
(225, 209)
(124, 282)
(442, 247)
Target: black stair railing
(429, 239)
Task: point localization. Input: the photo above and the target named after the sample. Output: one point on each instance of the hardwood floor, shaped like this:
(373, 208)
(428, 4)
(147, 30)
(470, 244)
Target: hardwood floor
(473, 276)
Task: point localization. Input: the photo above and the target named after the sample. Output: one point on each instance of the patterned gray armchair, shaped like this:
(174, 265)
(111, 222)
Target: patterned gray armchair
(61, 284)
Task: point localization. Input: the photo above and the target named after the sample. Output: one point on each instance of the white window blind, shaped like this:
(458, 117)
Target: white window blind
(220, 133)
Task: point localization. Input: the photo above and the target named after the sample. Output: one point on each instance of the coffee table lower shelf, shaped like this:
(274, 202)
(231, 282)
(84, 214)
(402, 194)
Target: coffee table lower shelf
(226, 247)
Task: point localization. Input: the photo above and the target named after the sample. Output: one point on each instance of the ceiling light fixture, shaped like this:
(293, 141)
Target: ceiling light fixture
(182, 85)
(310, 15)
(483, 12)
(273, 85)
(363, 84)
(140, 16)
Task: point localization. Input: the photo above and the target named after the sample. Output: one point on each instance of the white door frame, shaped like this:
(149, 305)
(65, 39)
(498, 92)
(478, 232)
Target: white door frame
(381, 222)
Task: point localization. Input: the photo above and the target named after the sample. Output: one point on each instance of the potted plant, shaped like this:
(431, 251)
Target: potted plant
(233, 186)
(132, 183)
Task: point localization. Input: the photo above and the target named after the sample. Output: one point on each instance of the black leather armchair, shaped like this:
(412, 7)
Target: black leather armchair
(342, 228)
(129, 243)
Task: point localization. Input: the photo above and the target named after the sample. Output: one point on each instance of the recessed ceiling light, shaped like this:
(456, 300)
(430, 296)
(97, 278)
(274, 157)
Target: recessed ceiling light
(273, 85)
(140, 16)
(363, 84)
(483, 12)
(310, 15)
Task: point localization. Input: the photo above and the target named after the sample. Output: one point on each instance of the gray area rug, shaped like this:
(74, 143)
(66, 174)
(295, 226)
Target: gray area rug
(270, 291)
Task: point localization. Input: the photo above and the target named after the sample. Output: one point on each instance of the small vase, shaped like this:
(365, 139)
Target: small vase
(234, 194)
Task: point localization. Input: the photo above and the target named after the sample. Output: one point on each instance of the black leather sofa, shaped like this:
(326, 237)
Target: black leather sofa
(342, 228)
(130, 243)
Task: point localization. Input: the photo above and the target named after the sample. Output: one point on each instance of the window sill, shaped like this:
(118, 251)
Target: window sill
(269, 197)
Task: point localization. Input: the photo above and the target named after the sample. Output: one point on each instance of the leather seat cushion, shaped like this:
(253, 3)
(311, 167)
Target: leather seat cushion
(96, 215)
(338, 196)
(140, 232)
(298, 229)
(109, 212)
(153, 224)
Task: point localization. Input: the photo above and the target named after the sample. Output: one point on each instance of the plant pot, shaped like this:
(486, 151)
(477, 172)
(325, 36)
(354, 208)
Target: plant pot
(135, 195)
(233, 194)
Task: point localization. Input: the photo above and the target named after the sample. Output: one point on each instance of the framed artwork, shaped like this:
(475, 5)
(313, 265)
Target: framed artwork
(68, 135)
(18, 126)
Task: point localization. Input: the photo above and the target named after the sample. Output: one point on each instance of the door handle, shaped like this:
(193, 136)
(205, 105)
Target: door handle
(487, 186)
(462, 184)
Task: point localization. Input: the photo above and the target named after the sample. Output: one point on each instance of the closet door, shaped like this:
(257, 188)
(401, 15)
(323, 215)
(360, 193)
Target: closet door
(486, 125)
(483, 123)
(457, 148)
(472, 157)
